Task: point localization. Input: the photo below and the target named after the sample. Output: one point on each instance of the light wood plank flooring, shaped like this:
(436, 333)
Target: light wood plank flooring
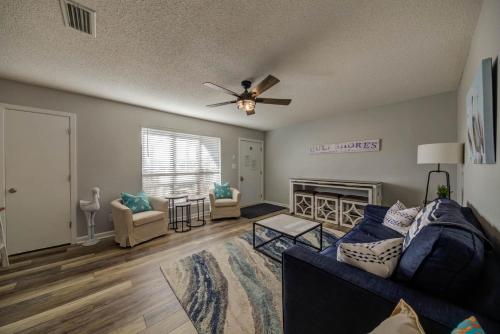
(102, 288)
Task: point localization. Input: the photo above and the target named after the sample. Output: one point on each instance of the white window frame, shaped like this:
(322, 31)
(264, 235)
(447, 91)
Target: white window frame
(182, 133)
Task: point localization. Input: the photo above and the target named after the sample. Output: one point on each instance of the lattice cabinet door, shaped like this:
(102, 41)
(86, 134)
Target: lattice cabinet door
(304, 204)
(352, 211)
(326, 208)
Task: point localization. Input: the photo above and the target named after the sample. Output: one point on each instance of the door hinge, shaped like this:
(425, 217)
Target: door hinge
(68, 131)
(69, 178)
(70, 224)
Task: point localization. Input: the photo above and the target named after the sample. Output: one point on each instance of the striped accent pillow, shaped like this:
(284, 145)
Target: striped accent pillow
(426, 216)
(379, 258)
(399, 217)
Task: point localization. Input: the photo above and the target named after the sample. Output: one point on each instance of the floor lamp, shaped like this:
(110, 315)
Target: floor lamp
(441, 153)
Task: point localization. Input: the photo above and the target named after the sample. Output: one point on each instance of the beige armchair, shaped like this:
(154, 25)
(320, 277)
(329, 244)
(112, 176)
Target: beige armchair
(133, 228)
(225, 207)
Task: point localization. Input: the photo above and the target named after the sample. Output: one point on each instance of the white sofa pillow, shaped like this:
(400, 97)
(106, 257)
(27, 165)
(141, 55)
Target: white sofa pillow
(379, 258)
(399, 217)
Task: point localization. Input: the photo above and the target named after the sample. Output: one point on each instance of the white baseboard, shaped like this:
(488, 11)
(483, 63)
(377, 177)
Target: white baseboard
(101, 235)
(277, 203)
(108, 234)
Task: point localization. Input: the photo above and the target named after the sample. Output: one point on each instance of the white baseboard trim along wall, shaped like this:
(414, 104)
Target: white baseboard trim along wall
(108, 234)
(101, 235)
(277, 203)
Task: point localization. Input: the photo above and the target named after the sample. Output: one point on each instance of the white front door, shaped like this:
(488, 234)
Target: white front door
(37, 180)
(251, 171)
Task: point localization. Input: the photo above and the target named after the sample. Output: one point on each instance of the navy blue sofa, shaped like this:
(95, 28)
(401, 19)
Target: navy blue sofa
(456, 275)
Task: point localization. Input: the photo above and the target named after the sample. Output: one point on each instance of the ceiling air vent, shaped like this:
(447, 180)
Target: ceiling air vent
(78, 17)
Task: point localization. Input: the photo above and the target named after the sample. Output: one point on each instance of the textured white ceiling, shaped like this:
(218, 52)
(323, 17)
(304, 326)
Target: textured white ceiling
(331, 56)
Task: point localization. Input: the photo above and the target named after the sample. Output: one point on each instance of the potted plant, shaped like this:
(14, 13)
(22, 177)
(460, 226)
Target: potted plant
(442, 191)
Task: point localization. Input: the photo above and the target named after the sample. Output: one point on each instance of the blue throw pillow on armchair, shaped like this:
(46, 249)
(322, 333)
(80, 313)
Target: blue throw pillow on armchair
(222, 191)
(138, 203)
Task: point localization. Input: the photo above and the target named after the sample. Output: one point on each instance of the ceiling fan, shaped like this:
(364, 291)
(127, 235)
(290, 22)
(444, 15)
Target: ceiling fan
(247, 100)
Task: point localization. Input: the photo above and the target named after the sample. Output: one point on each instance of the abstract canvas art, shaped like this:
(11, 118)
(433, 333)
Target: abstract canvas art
(480, 129)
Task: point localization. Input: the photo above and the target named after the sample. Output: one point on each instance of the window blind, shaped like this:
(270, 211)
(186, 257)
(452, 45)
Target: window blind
(179, 163)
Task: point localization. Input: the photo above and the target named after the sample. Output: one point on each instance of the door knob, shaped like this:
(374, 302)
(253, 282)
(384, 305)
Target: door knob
(241, 178)
(12, 190)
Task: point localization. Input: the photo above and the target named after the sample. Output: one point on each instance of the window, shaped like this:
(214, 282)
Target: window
(179, 163)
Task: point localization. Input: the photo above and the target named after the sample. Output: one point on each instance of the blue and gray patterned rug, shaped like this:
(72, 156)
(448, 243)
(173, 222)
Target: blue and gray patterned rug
(231, 288)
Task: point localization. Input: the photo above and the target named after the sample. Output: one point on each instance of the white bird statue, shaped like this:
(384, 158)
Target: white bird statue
(90, 209)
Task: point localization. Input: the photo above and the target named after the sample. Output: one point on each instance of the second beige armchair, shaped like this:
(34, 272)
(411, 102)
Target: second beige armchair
(133, 228)
(225, 207)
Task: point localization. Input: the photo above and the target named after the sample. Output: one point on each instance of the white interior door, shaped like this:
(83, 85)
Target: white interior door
(37, 180)
(251, 171)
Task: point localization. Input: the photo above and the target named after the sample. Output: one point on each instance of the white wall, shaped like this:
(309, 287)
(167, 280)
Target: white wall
(401, 127)
(108, 140)
(481, 183)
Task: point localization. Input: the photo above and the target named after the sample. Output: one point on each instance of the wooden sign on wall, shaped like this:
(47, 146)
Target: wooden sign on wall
(369, 145)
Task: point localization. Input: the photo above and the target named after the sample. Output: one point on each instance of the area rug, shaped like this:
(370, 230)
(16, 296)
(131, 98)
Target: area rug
(258, 210)
(231, 288)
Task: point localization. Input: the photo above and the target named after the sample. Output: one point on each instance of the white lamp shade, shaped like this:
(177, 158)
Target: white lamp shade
(441, 153)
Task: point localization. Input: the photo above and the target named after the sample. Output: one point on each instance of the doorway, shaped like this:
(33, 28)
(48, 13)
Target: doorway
(38, 160)
(251, 171)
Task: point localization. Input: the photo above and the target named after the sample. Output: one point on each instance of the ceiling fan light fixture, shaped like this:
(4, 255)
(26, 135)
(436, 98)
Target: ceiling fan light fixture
(246, 104)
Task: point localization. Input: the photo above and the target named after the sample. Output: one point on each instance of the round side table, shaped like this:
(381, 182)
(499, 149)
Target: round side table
(200, 212)
(172, 199)
(182, 212)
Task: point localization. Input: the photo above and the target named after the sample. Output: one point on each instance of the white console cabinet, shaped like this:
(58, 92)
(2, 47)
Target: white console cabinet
(347, 210)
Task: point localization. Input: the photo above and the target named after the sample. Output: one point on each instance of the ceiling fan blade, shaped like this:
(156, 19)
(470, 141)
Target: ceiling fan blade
(220, 89)
(283, 102)
(250, 112)
(264, 85)
(220, 104)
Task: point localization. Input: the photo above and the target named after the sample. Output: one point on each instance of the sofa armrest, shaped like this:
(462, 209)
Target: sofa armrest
(236, 195)
(211, 197)
(159, 204)
(321, 294)
(122, 221)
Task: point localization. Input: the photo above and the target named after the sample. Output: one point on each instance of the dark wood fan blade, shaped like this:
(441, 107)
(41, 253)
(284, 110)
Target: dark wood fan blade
(250, 112)
(283, 102)
(220, 104)
(265, 85)
(220, 89)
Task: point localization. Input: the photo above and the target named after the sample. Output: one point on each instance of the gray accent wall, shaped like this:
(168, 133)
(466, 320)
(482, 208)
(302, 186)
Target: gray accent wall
(109, 144)
(401, 127)
(480, 184)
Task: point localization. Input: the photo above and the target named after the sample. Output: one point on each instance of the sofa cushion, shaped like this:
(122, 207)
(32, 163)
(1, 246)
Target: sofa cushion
(223, 202)
(375, 213)
(442, 259)
(378, 231)
(147, 217)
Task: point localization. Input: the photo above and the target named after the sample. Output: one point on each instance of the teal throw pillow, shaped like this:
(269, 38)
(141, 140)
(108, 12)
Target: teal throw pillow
(138, 203)
(222, 191)
(468, 326)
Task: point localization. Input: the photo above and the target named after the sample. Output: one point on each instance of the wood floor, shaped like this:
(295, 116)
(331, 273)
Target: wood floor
(102, 288)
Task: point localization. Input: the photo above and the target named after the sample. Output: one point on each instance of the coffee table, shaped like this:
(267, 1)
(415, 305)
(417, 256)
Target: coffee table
(290, 227)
